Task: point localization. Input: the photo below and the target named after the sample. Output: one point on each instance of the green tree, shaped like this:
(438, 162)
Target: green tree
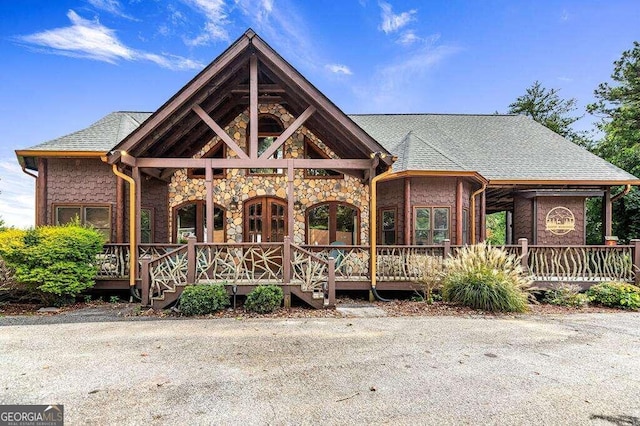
(547, 108)
(618, 107)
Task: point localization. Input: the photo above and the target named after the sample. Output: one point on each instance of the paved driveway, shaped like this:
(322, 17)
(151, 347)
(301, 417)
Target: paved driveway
(577, 369)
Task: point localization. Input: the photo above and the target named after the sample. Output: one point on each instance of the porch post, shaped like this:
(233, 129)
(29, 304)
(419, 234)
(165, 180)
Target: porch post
(524, 253)
(459, 212)
(636, 261)
(607, 228)
(41, 195)
(446, 248)
(331, 282)
(146, 283)
(253, 106)
(291, 220)
(209, 199)
(286, 271)
(483, 216)
(407, 211)
(508, 237)
(191, 260)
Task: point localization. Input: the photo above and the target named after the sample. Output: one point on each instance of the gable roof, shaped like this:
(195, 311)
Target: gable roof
(221, 91)
(502, 148)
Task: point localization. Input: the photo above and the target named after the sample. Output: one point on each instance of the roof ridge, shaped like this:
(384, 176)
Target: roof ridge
(439, 151)
(434, 113)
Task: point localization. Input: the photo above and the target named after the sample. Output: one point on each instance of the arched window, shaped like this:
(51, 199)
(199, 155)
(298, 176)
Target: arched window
(190, 219)
(269, 128)
(333, 221)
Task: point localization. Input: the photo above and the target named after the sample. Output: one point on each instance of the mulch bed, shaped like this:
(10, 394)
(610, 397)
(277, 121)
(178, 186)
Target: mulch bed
(396, 308)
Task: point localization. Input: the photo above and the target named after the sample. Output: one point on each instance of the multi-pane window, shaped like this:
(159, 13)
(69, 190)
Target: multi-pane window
(97, 217)
(465, 226)
(388, 234)
(190, 219)
(431, 225)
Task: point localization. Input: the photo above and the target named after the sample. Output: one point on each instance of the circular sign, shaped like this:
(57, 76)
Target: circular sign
(560, 221)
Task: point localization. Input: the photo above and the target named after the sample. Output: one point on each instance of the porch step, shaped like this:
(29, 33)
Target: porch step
(307, 297)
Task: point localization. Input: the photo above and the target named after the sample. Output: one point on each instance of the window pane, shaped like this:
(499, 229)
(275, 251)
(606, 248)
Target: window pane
(98, 217)
(346, 224)
(65, 215)
(263, 144)
(389, 237)
(145, 230)
(319, 225)
(423, 219)
(389, 220)
(440, 236)
(186, 222)
(440, 219)
(422, 237)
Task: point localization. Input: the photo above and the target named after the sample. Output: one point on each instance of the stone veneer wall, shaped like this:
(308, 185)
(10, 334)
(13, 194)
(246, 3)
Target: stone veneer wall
(239, 184)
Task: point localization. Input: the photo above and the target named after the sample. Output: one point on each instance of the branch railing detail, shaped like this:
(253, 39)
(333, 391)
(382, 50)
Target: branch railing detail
(351, 262)
(239, 263)
(113, 262)
(310, 271)
(164, 273)
(404, 263)
(581, 263)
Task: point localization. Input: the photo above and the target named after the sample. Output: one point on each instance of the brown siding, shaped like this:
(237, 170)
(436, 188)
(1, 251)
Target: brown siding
(82, 181)
(522, 219)
(391, 195)
(577, 207)
(155, 195)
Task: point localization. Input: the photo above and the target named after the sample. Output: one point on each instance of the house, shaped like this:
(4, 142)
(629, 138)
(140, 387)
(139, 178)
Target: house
(252, 172)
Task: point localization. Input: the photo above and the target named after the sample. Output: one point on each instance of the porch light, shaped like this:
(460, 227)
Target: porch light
(233, 205)
(297, 205)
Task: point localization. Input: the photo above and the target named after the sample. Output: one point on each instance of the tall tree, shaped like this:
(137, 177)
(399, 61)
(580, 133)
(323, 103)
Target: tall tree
(618, 106)
(547, 108)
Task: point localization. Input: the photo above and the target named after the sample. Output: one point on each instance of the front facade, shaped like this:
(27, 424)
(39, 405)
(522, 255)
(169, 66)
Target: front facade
(250, 152)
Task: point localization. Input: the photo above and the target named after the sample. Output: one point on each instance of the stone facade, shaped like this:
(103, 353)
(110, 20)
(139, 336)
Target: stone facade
(238, 186)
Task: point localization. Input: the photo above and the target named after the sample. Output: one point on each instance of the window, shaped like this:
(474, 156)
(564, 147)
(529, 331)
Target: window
(190, 219)
(269, 128)
(388, 234)
(97, 217)
(332, 222)
(217, 151)
(312, 152)
(431, 225)
(146, 232)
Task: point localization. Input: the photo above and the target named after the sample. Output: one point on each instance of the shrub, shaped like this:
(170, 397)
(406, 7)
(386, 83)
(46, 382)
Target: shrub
(203, 299)
(264, 299)
(53, 260)
(488, 278)
(431, 275)
(565, 295)
(615, 294)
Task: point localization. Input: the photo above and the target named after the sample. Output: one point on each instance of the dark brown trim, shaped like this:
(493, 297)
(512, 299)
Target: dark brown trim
(459, 209)
(483, 216)
(407, 210)
(235, 163)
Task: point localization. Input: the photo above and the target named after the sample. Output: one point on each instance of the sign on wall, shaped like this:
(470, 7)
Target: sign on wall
(560, 221)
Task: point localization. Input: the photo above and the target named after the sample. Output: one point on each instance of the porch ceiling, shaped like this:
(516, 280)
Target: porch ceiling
(500, 198)
(222, 90)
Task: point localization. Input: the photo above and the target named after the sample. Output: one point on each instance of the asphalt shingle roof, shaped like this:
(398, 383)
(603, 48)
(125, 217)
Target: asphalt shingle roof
(102, 135)
(499, 147)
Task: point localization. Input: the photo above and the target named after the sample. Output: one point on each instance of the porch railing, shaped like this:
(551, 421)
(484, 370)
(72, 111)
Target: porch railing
(113, 262)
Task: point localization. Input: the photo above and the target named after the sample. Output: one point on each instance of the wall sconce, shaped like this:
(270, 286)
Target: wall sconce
(297, 205)
(233, 205)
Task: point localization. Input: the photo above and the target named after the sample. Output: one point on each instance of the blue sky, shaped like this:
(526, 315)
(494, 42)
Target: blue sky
(67, 63)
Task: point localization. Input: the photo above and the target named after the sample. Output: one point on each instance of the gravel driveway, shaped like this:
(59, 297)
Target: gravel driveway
(574, 369)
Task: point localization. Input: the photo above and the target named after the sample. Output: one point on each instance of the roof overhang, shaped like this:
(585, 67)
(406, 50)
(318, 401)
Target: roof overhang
(513, 182)
(438, 173)
(28, 158)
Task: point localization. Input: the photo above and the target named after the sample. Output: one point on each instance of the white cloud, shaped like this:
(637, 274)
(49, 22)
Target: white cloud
(17, 195)
(111, 6)
(90, 39)
(392, 22)
(339, 69)
(216, 19)
(396, 86)
(408, 37)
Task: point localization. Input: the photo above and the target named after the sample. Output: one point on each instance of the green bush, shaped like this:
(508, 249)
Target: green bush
(487, 278)
(565, 295)
(53, 260)
(615, 294)
(203, 299)
(264, 299)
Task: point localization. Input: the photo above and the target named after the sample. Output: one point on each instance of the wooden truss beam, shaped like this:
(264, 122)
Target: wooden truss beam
(253, 106)
(247, 163)
(220, 132)
(288, 132)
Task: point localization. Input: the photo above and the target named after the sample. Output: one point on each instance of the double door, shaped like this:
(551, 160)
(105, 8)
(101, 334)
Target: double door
(265, 220)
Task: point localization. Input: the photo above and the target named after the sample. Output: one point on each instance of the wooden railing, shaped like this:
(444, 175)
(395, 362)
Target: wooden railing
(351, 262)
(113, 262)
(164, 273)
(313, 273)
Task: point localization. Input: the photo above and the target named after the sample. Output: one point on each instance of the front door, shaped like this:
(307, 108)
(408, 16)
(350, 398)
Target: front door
(265, 220)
